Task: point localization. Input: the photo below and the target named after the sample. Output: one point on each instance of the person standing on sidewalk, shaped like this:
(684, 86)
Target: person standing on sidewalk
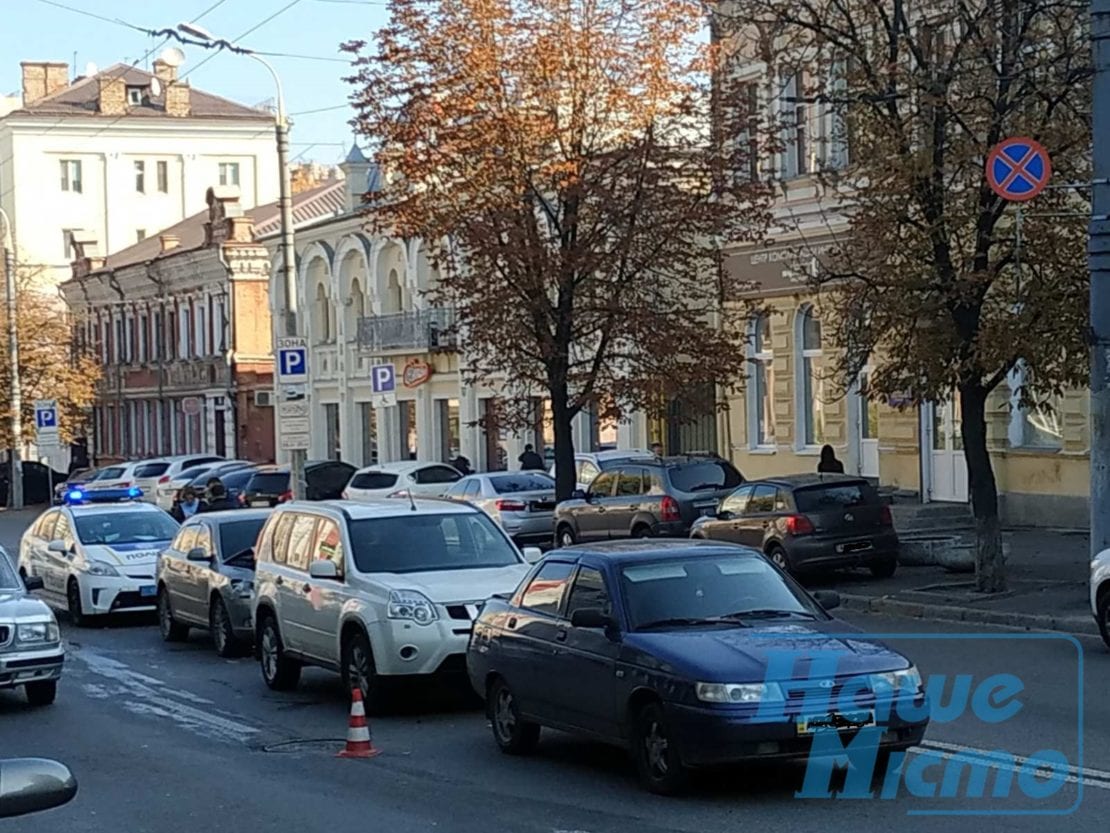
(530, 460)
(829, 464)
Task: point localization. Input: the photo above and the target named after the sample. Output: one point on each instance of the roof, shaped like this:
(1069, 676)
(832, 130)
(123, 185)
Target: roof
(355, 155)
(81, 96)
(401, 466)
(386, 507)
(638, 549)
(109, 508)
(323, 200)
(244, 514)
(796, 481)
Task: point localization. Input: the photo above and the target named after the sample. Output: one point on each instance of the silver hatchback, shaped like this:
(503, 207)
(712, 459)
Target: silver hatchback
(206, 576)
(522, 502)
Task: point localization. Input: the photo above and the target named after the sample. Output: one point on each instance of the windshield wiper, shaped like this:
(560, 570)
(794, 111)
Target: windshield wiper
(771, 613)
(690, 620)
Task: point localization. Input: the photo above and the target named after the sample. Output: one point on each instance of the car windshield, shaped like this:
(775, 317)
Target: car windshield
(835, 496)
(420, 543)
(711, 475)
(113, 528)
(236, 536)
(373, 480)
(269, 483)
(194, 472)
(151, 469)
(521, 482)
(701, 589)
(8, 579)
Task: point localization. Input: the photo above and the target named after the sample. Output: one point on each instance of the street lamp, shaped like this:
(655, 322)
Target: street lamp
(15, 393)
(285, 207)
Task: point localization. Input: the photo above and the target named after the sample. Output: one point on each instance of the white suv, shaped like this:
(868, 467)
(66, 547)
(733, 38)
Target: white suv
(1100, 593)
(375, 590)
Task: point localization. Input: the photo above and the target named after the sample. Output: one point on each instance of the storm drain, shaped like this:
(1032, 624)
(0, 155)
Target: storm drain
(291, 747)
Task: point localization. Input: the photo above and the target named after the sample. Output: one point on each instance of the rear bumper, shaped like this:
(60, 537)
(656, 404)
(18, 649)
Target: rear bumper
(535, 526)
(819, 551)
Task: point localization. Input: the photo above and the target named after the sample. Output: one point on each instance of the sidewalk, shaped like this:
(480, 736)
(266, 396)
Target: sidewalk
(1048, 576)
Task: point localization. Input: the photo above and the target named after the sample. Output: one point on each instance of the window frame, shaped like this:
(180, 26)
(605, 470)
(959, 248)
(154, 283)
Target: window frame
(71, 179)
(140, 176)
(809, 403)
(557, 612)
(224, 169)
(568, 595)
(614, 473)
(340, 562)
(760, 394)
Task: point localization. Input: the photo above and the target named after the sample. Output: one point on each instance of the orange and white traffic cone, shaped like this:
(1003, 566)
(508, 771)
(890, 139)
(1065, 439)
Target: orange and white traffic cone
(359, 744)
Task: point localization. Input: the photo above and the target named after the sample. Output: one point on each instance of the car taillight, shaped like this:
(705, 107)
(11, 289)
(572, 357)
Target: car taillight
(886, 518)
(799, 525)
(668, 509)
(125, 484)
(285, 496)
(510, 506)
(165, 478)
(242, 500)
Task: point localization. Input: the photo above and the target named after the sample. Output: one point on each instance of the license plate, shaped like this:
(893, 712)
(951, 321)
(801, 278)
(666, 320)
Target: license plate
(148, 590)
(834, 722)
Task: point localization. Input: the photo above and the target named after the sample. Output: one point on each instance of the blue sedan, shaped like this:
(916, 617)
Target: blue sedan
(691, 654)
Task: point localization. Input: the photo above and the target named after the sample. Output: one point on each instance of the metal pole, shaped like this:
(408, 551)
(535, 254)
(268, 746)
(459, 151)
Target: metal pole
(15, 392)
(1099, 265)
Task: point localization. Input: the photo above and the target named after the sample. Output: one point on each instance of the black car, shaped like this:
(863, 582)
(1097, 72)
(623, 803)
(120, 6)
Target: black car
(808, 522)
(270, 485)
(691, 653)
(657, 497)
(235, 479)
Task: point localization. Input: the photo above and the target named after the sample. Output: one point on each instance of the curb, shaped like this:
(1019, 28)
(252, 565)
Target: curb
(952, 613)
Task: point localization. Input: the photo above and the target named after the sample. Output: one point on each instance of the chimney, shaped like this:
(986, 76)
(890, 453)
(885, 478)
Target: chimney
(178, 102)
(164, 72)
(224, 211)
(42, 78)
(112, 98)
(169, 241)
(86, 254)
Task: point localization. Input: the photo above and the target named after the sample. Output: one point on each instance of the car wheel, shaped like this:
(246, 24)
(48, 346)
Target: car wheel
(513, 734)
(73, 604)
(641, 531)
(170, 628)
(223, 635)
(279, 671)
(360, 672)
(657, 759)
(884, 569)
(42, 693)
(778, 555)
(565, 537)
(1104, 616)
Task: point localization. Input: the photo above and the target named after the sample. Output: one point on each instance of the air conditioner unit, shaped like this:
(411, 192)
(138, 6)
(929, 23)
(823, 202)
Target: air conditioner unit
(264, 398)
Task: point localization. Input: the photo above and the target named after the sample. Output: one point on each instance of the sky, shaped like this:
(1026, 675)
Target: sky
(315, 94)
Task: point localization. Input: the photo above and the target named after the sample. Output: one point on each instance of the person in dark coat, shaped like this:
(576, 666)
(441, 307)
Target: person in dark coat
(829, 464)
(217, 497)
(462, 465)
(530, 460)
(188, 505)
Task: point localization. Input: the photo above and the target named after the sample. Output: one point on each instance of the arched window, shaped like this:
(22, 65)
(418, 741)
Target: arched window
(761, 384)
(322, 314)
(393, 295)
(809, 379)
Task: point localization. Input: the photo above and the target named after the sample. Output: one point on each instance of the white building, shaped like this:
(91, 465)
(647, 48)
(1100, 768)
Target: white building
(121, 154)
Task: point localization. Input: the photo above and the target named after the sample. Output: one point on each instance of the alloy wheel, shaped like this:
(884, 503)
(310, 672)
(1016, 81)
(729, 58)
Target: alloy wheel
(269, 652)
(656, 747)
(504, 719)
(358, 669)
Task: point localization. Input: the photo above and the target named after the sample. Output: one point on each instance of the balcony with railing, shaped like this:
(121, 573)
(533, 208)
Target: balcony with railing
(432, 330)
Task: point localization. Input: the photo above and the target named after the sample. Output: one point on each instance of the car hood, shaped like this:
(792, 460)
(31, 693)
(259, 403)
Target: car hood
(446, 586)
(746, 654)
(145, 552)
(16, 605)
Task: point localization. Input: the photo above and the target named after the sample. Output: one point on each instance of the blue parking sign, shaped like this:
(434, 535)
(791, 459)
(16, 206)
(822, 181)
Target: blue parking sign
(383, 378)
(292, 361)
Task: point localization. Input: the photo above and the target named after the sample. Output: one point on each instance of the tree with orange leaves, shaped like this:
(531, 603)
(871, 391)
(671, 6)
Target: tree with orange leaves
(559, 159)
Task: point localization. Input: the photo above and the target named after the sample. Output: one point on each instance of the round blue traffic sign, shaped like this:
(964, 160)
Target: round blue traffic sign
(1018, 169)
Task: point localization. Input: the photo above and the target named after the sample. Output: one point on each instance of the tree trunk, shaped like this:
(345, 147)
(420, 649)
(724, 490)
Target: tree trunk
(565, 471)
(990, 566)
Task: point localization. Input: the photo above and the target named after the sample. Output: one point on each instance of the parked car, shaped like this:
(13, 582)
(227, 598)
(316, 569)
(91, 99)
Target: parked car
(523, 502)
(169, 490)
(270, 485)
(234, 480)
(155, 474)
(588, 465)
(646, 498)
(1100, 593)
(408, 476)
(31, 785)
(31, 651)
(76, 480)
(205, 579)
(118, 476)
(663, 647)
(375, 590)
(807, 522)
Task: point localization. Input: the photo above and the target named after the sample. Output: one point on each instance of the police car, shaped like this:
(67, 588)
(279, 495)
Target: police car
(96, 558)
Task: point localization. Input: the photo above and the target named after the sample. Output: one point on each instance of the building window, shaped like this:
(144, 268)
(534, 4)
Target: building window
(140, 177)
(135, 96)
(71, 175)
(140, 235)
(156, 347)
(163, 172)
(747, 142)
(761, 385)
(809, 382)
(793, 114)
(144, 339)
(67, 244)
(229, 173)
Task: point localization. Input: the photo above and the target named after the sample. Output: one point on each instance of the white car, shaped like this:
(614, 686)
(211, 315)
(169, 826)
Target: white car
(97, 559)
(1100, 593)
(119, 476)
(396, 479)
(152, 475)
(167, 492)
(588, 465)
(375, 590)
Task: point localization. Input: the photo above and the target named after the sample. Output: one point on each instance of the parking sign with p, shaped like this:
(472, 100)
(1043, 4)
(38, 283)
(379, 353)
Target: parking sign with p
(292, 361)
(383, 379)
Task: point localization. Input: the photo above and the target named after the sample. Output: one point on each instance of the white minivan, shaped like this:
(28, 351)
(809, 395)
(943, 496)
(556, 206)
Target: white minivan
(375, 590)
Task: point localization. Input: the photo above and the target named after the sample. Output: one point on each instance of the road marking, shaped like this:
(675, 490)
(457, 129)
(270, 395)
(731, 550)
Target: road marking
(145, 695)
(1090, 777)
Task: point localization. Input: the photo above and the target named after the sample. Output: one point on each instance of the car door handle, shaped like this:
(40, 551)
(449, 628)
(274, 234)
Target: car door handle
(512, 622)
(561, 635)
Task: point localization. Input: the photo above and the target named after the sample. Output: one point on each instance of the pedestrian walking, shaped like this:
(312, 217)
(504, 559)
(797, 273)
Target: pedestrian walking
(829, 464)
(187, 505)
(217, 497)
(462, 465)
(530, 460)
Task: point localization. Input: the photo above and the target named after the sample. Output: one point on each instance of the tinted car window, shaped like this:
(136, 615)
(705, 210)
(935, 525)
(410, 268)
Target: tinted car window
(587, 471)
(373, 480)
(762, 500)
(522, 481)
(329, 544)
(197, 461)
(737, 501)
(588, 592)
(835, 496)
(300, 542)
(327, 482)
(269, 483)
(151, 469)
(545, 591)
(415, 543)
(437, 474)
(630, 482)
(125, 528)
(111, 474)
(281, 538)
(703, 476)
(603, 485)
(236, 536)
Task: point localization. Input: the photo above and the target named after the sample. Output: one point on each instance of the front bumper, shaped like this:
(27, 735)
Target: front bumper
(31, 665)
(117, 594)
(402, 647)
(239, 611)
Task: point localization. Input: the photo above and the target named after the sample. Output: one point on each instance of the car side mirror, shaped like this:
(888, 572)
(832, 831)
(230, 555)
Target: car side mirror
(591, 617)
(29, 785)
(828, 599)
(532, 554)
(725, 515)
(578, 494)
(33, 583)
(323, 569)
(197, 554)
(58, 546)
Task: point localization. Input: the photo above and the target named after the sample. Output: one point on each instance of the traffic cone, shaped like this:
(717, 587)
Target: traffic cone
(359, 744)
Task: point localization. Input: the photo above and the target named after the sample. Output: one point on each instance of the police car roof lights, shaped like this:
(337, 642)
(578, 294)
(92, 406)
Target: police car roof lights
(77, 497)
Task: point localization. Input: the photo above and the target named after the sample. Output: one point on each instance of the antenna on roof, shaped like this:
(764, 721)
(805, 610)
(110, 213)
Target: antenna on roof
(412, 503)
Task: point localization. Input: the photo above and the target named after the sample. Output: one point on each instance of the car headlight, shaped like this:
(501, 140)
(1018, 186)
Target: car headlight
(37, 632)
(904, 679)
(738, 692)
(409, 604)
(242, 589)
(99, 568)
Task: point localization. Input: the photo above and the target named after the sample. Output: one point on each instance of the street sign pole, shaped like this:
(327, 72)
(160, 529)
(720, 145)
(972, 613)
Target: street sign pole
(1099, 265)
(292, 406)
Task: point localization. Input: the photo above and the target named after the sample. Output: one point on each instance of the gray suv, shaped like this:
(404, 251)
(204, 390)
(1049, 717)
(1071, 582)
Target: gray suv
(658, 497)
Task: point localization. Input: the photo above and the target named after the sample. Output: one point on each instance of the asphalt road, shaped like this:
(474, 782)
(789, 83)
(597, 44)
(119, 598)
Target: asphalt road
(167, 738)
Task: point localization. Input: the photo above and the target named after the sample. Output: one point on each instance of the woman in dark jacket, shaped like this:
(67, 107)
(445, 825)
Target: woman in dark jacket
(829, 464)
